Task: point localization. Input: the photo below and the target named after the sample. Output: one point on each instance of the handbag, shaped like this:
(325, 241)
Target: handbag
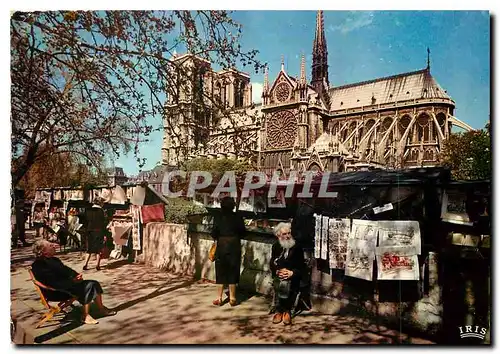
(105, 251)
(211, 253)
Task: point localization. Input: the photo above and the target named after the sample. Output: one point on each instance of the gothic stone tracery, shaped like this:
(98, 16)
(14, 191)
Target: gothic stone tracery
(281, 130)
(392, 122)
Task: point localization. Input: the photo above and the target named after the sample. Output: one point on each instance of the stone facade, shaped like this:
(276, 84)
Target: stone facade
(399, 121)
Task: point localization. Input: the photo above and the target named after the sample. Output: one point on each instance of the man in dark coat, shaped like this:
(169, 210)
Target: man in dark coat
(50, 271)
(303, 233)
(287, 266)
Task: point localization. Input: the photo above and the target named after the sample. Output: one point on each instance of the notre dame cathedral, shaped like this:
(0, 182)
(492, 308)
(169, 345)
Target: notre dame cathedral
(392, 122)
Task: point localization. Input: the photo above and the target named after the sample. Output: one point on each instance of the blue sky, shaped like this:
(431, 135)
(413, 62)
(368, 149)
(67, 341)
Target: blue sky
(364, 45)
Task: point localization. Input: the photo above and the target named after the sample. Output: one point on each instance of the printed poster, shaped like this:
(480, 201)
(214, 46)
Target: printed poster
(136, 227)
(365, 230)
(338, 234)
(397, 263)
(75, 194)
(259, 204)
(400, 233)
(453, 207)
(246, 203)
(324, 237)
(317, 236)
(212, 202)
(278, 201)
(57, 194)
(359, 259)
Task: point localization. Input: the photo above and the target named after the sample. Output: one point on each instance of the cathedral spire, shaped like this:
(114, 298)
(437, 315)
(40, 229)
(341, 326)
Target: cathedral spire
(319, 36)
(320, 56)
(265, 89)
(303, 70)
(282, 62)
(428, 59)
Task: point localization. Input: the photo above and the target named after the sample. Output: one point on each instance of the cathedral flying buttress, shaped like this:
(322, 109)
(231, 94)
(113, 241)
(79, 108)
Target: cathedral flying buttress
(400, 121)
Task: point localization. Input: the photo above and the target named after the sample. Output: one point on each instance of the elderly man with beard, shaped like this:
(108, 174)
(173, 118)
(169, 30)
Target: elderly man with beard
(287, 264)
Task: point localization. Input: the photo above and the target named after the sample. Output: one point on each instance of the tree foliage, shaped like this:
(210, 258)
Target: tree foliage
(89, 83)
(178, 210)
(468, 155)
(59, 170)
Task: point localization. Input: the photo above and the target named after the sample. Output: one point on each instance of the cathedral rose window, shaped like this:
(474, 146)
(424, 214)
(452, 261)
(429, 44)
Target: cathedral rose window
(282, 92)
(282, 129)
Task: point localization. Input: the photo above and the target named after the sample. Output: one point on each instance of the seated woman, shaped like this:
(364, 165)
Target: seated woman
(50, 271)
(287, 264)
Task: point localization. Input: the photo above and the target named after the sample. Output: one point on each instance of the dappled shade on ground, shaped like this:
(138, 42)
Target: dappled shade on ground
(155, 307)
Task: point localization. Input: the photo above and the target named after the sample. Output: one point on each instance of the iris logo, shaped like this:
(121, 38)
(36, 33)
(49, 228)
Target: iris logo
(469, 332)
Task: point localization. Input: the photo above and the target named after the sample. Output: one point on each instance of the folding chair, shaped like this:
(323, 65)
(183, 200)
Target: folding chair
(53, 310)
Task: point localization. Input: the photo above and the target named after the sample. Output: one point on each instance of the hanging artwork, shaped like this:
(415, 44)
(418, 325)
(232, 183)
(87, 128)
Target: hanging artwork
(324, 237)
(57, 194)
(365, 230)
(317, 236)
(338, 233)
(259, 203)
(359, 259)
(75, 194)
(246, 203)
(118, 196)
(400, 233)
(66, 194)
(130, 192)
(397, 263)
(465, 240)
(212, 202)
(278, 201)
(453, 207)
(485, 241)
(120, 232)
(106, 194)
(136, 227)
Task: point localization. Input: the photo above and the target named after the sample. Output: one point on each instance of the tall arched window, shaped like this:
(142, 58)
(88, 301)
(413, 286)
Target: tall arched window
(403, 124)
(236, 93)
(423, 128)
(335, 129)
(314, 167)
(441, 119)
(218, 92)
(223, 95)
(241, 94)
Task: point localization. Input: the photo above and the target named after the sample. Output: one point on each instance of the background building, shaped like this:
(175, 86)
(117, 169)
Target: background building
(116, 176)
(399, 121)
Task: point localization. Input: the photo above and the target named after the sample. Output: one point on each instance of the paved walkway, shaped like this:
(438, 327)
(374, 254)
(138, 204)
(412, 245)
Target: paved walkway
(155, 307)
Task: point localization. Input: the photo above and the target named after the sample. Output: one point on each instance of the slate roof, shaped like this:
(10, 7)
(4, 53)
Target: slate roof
(407, 86)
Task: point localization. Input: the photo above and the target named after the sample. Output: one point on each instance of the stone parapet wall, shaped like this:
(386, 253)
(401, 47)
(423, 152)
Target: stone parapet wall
(167, 246)
(184, 250)
(172, 247)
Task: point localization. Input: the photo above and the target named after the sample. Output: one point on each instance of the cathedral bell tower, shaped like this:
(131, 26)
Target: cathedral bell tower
(320, 59)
